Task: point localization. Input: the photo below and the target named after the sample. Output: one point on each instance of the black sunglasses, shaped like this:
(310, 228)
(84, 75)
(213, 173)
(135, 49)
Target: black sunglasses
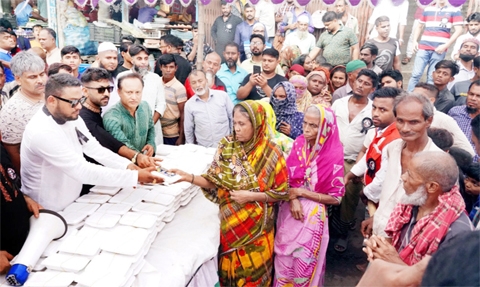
(101, 90)
(74, 103)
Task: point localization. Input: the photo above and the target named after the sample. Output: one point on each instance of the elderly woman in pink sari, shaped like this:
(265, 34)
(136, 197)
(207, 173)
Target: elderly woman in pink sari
(315, 171)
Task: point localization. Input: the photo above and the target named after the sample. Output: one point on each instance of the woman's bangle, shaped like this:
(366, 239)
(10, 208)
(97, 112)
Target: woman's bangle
(193, 178)
(319, 198)
(266, 198)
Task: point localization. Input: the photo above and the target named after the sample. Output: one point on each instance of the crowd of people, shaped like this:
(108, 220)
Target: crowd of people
(305, 128)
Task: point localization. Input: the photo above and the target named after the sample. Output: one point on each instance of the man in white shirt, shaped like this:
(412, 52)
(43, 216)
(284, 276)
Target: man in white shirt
(301, 37)
(153, 90)
(53, 166)
(397, 13)
(414, 115)
(473, 25)
(47, 39)
(353, 115)
(442, 120)
(264, 14)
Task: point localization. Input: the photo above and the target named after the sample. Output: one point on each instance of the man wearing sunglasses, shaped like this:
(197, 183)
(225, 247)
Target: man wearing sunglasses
(96, 88)
(53, 166)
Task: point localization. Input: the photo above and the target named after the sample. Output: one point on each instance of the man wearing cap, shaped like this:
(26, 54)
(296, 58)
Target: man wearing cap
(107, 58)
(301, 37)
(353, 68)
(339, 45)
(468, 51)
(460, 89)
(473, 26)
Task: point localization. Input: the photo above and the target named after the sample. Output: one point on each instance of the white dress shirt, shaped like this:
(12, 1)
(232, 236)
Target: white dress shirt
(351, 134)
(53, 168)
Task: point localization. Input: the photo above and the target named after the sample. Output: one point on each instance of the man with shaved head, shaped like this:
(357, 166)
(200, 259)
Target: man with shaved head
(413, 115)
(210, 66)
(429, 212)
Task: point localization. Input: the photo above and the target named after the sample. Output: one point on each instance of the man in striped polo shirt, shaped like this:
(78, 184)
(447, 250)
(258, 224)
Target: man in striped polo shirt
(437, 21)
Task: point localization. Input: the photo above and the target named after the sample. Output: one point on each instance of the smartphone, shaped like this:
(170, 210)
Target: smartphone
(257, 69)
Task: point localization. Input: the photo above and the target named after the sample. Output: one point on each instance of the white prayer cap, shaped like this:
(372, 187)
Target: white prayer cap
(303, 19)
(106, 46)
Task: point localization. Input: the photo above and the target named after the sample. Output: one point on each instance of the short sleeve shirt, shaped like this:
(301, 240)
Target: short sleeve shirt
(174, 94)
(336, 47)
(257, 92)
(15, 116)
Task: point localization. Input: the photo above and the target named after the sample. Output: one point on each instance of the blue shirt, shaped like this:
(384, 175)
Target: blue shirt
(463, 119)
(7, 57)
(146, 14)
(232, 81)
(242, 35)
(23, 11)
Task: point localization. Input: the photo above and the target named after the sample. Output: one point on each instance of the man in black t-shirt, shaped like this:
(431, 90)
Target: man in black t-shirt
(256, 86)
(170, 44)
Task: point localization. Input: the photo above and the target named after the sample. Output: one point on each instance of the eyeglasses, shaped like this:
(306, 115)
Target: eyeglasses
(101, 90)
(256, 43)
(74, 103)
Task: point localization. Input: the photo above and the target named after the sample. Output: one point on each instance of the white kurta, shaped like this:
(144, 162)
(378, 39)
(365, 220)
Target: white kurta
(53, 168)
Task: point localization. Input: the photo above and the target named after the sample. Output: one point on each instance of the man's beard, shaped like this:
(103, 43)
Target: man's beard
(466, 57)
(258, 53)
(471, 110)
(357, 97)
(141, 71)
(418, 198)
(302, 34)
(340, 15)
(231, 63)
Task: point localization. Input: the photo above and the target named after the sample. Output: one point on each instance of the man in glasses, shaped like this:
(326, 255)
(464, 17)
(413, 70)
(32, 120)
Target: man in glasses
(55, 140)
(29, 71)
(96, 88)
(257, 46)
(245, 29)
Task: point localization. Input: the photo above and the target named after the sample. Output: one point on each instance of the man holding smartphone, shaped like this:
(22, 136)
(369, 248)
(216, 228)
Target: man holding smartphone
(259, 84)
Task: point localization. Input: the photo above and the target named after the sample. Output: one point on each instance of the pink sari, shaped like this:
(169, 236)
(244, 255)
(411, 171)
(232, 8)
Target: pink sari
(300, 247)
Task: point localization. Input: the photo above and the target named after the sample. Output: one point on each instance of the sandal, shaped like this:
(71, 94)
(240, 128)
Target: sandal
(406, 60)
(341, 245)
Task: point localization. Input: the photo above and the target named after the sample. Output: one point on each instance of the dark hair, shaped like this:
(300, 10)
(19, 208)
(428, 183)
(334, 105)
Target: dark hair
(5, 24)
(371, 74)
(261, 37)
(447, 64)
(54, 68)
(11, 32)
(94, 75)
(441, 138)
(51, 32)
(329, 16)
(124, 46)
(69, 50)
(129, 76)
(271, 52)
(326, 65)
(394, 74)
(194, 25)
(462, 157)
(136, 49)
(2, 67)
(474, 83)
(428, 87)
(370, 46)
(4, 30)
(476, 126)
(387, 92)
(166, 59)
(475, 16)
(172, 40)
(233, 44)
(300, 60)
(37, 25)
(56, 83)
(381, 19)
(476, 62)
(248, 5)
(340, 69)
(129, 38)
(473, 171)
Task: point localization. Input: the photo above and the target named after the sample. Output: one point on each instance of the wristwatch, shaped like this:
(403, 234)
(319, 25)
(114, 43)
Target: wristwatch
(134, 158)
